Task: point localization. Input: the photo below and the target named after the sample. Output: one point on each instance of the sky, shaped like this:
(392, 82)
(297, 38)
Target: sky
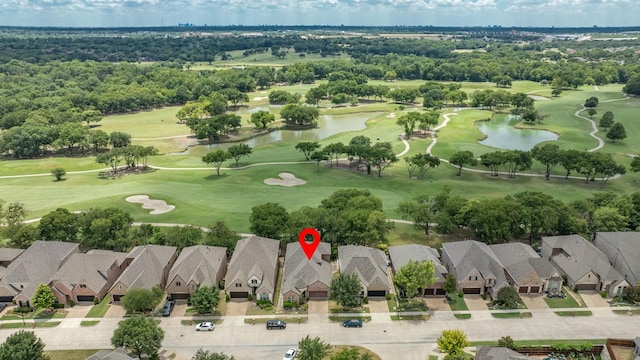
(117, 13)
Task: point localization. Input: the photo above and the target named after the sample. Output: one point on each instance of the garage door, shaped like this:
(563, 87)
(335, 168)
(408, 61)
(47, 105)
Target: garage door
(440, 292)
(535, 289)
(180, 296)
(472, 291)
(116, 298)
(86, 298)
(380, 293)
(318, 294)
(587, 286)
(523, 289)
(6, 299)
(239, 294)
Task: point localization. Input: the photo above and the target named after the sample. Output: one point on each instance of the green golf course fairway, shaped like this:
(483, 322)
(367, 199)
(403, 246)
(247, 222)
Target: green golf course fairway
(201, 197)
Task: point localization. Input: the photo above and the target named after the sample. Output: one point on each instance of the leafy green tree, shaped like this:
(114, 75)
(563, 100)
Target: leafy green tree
(238, 151)
(98, 139)
(307, 148)
(206, 355)
(507, 341)
(139, 300)
(119, 139)
(140, 335)
(299, 115)
(493, 220)
(43, 298)
(350, 353)
(608, 218)
(419, 164)
(462, 158)
(635, 164)
(450, 285)
(569, 160)
(262, 118)
(180, 236)
(408, 122)
(268, 220)
(556, 92)
(314, 95)
(216, 157)
(318, 157)
(105, 228)
(421, 210)
(59, 225)
(312, 349)
(541, 213)
(617, 132)
(508, 297)
(381, 156)
(23, 345)
(591, 102)
(591, 112)
(633, 85)
(220, 234)
(58, 173)
(607, 120)
(414, 276)
(205, 299)
(548, 154)
(346, 290)
(452, 342)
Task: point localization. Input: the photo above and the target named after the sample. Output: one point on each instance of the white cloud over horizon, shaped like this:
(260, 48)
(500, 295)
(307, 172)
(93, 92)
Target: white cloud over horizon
(113, 13)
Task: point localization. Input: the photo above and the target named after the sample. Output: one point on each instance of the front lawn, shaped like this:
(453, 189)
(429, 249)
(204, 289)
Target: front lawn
(573, 313)
(412, 305)
(334, 308)
(457, 302)
(411, 317)
(100, 309)
(28, 325)
(192, 322)
(253, 321)
(70, 354)
(560, 303)
(514, 315)
(89, 322)
(343, 318)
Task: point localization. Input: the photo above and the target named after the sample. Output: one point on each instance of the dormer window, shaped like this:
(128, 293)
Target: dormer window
(254, 281)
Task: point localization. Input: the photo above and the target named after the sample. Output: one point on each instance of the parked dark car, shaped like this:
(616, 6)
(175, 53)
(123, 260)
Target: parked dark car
(352, 323)
(168, 307)
(276, 324)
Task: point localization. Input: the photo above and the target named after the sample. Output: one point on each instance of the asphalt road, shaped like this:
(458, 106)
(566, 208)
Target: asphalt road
(390, 339)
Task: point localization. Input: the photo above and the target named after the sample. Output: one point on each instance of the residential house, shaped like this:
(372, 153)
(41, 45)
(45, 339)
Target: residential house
(146, 266)
(623, 251)
(400, 255)
(585, 267)
(499, 353)
(198, 265)
(7, 255)
(525, 269)
(369, 264)
(304, 278)
(253, 269)
(87, 276)
(476, 268)
(34, 266)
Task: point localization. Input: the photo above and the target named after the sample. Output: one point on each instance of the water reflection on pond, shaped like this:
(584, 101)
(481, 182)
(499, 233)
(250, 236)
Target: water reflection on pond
(502, 134)
(328, 125)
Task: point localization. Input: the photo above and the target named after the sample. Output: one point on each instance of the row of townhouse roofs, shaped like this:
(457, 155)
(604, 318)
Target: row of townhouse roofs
(610, 263)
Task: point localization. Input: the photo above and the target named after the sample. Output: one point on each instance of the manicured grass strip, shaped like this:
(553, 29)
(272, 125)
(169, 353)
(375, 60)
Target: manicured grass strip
(410, 317)
(70, 354)
(433, 357)
(573, 313)
(343, 318)
(300, 320)
(462, 316)
(100, 309)
(29, 325)
(626, 312)
(89, 322)
(457, 303)
(195, 322)
(520, 315)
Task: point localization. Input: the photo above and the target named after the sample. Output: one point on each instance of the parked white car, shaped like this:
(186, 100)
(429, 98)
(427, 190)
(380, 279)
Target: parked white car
(205, 326)
(290, 354)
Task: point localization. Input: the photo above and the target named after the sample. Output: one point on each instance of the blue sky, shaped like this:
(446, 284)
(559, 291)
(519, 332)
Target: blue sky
(109, 13)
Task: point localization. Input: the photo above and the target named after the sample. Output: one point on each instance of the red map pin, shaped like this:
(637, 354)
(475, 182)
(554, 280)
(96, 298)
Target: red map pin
(309, 248)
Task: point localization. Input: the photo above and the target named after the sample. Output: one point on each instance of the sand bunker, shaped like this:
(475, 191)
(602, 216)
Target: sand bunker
(156, 206)
(258, 98)
(287, 179)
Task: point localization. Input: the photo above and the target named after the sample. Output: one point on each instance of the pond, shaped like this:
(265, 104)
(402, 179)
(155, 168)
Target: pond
(502, 134)
(328, 125)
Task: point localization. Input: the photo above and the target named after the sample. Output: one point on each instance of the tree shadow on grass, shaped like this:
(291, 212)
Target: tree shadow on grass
(213, 177)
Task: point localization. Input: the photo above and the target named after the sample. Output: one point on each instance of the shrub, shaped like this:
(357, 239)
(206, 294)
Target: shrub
(58, 306)
(250, 297)
(228, 298)
(71, 303)
(366, 300)
(507, 341)
(484, 296)
(603, 294)
(560, 347)
(460, 293)
(96, 300)
(22, 310)
(290, 304)
(388, 296)
(221, 284)
(575, 288)
(565, 280)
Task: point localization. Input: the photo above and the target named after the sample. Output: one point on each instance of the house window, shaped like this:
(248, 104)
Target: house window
(83, 286)
(254, 281)
(238, 285)
(264, 296)
(473, 278)
(291, 299)
(178, 283)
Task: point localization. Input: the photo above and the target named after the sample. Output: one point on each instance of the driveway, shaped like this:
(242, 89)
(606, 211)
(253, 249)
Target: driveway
(179, 309)
(593, 299)
(475, 302)
(534, 301)
(78, 311)
(437, 303)
(378, 305)
(237, 307)
(115, 311)
(318, 307)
